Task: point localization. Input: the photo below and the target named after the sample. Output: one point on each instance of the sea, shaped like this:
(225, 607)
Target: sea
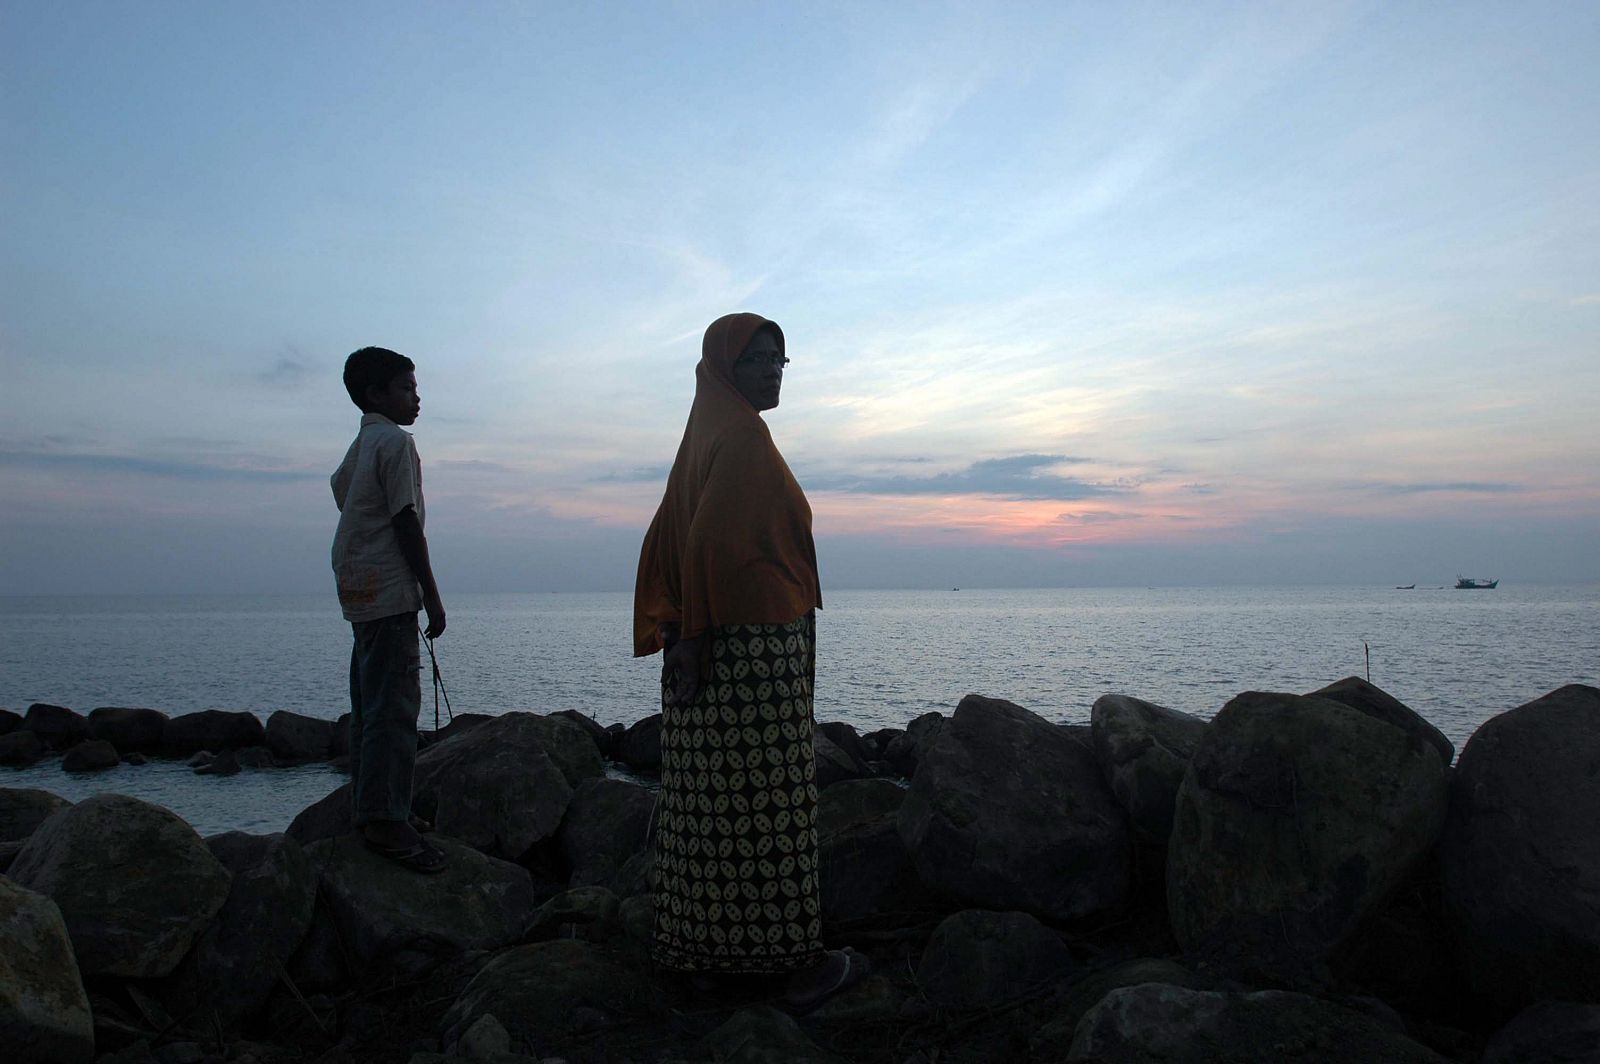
(884, 657)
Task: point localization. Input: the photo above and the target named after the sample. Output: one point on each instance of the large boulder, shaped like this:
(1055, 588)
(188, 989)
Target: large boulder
(1008, 811)
(761, 1034)
(1144, 750)
(236, 962)
(1521, 853)
(9, 721)
(505, 784)
(595, 730)
(23, 809)
(550, 994)
(1296, 821)
(982, 958)
(864, 866)
(129, 729)
(835, 763)
(392, 919)
(326, 818)
(849, 740)
(904, 751)
(91, 755)
(606, 824)
(21, 747)
(57, 727)
(295, 738)
(640, 746)
(44, 1012)
(1363, 697)
(1157, 1022)
(211, 729)
(135, 884)
(1550, 1032)
(1072, 1000)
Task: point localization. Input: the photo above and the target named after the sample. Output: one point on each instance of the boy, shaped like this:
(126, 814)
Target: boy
(380, 558)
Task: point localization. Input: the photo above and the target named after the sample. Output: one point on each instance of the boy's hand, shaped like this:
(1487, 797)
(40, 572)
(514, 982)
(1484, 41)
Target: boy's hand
(435, 610)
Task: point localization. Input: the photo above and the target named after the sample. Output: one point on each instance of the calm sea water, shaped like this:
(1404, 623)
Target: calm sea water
(1457, 657)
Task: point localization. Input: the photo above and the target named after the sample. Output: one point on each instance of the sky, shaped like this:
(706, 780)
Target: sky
(1075, 294)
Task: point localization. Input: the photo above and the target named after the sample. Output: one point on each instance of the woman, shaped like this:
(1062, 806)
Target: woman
(727, 587)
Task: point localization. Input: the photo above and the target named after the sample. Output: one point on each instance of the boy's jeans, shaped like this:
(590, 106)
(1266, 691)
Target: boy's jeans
(385, 698)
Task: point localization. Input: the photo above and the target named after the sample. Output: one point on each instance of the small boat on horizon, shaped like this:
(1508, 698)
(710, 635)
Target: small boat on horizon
(1405, 587)
(1467, 583)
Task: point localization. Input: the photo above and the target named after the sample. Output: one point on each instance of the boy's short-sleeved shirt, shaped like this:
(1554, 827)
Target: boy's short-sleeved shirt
(380, 476)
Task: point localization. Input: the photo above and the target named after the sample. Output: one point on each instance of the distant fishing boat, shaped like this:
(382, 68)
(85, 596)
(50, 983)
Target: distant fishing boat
(1467, 583)
(1405, 587)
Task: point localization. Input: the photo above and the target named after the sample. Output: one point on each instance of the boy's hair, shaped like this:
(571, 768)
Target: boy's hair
(373, 367)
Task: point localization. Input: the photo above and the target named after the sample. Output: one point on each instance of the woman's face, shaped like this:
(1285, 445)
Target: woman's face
(758, 373)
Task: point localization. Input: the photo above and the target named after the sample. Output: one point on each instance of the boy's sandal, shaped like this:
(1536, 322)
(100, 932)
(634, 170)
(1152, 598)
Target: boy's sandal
(420, 857)
(856, 968)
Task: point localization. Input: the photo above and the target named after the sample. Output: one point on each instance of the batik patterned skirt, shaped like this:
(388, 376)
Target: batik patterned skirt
(736, 845)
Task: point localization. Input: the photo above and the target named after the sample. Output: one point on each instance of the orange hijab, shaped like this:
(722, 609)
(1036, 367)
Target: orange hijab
(731, 541)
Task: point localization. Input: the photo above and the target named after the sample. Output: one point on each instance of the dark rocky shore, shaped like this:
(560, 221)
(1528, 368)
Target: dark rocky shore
(1302, 878)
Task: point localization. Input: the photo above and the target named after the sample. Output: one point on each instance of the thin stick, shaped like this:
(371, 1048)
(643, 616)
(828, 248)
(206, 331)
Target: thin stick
(1364, 649)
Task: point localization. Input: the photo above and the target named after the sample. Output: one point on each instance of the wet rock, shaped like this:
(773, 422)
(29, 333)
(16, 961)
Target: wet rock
(44, 1012)
(1551, 1032)
(236, 962)
(23, 809)
(762, 1035)
(57, 727)
(1144, 750)
(1363, 697)
(326, 818)
(129, 729)
(863, 859)
(199, 758)
(295, 738)
(979, 957)
(393, 919)
(254, 757)
(505, 784)
(135, 759)
(225, 763)
(135, 884)
(1159, 1022)
(91, 755)
(211, 729)
(640, 746)
(606, 824)
(1297, 820)
(585, 912)
(835, 764)
(549, 994)
(1007, 811)
(1521, 854)
(904, 752)
(20, 748)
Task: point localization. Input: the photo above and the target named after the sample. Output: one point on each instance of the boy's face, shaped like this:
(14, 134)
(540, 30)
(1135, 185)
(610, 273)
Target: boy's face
(398, 401)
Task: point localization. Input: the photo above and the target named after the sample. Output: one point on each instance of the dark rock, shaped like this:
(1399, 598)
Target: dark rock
(982, 958)
(23, 809)
(44, 1012)
(593, 728)
(1144, 750)
(589, 913)
(135, 884)
(253, 757)
(863, 859)
(295, 738)
(1521, 854)
(225, 763)
(200, 758)
(211, 729)
(8, 853)
(905, 751)
(550, 994)
(392, 919)
(459, 723)
(135, 759)
(20, 748)
(91, 755)
(1363, 697)
(836, 764)
(606, 824)
(9, 721)
(505, 784)
(847, 739)
(640, 746)
(876, 742)
(326, 818)
(321, 965)
(236, 962)
(1053, 1040)
(1296, 822)
(57, 727)
(614, 734)
(636, 877)
(1007, 811)
(340, 744)
(1159, 1022)
(1551, 1032)
(129, 729)
(762, 1035)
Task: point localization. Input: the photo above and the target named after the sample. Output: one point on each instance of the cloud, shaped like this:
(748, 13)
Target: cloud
(1477, 487)
(1017, 477)
(154, 467)
(637, 475)
(285, 374)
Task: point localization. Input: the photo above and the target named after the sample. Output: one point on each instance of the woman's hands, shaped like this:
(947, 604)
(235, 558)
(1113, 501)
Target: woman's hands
(680, 667)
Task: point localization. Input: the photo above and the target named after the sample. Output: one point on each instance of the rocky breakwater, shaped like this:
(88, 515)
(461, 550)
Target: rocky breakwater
(1303, 877)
